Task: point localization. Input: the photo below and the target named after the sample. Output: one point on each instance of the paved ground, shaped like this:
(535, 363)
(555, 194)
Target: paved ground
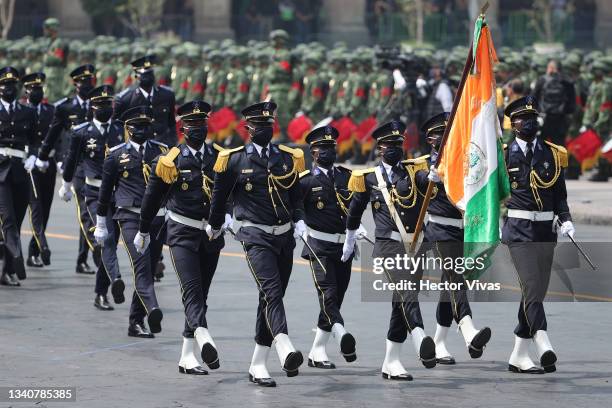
(591, 203)
(51, 335)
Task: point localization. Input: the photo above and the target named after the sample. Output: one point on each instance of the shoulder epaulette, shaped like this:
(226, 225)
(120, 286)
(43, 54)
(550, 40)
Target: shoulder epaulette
(80, 126)
(167, 88)
(217, 147)
(117, 147)
(61, 101)
(561, 152)
(344, 169)
(357, 181)
(298, 157)
(223, 158)
(122, 93)
(418, 163)
(304, 173)
(166, 169)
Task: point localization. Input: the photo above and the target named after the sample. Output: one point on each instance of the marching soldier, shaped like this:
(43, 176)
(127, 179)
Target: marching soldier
(159, 98)
(125, 174)
(184, 177)
(444, 233)
(17, 141)
(42, 183)
(537, 205)
(391, 188)
(326, 199)
(70, 112)
(89, 145)
(54, 59)
(263, 178)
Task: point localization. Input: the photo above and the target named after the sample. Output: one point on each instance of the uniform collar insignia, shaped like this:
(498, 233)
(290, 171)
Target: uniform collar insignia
(250, 149)
(185, 151)
(124, 156)
(515, 147)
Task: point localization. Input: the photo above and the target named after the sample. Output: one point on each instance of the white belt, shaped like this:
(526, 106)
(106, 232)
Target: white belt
(453, 222)
(270, 229)
(397, 237)
(190, 222)
(7, 151)
(326, 236)
(160, 213)
(94, 182)
(532, 215)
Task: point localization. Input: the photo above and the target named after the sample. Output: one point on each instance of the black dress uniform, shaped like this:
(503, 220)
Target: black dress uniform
(89, 145)
(17, 135)
(403, 192)
(326, 200)
(444, 234)
(160, 100)
(266, 198)
(125, 174)
(70, 112)
(185, 179)
(43, 187)
(538, 195)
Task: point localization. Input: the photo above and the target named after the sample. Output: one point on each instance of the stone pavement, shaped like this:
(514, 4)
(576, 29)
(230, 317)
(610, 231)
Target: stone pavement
(589, 202)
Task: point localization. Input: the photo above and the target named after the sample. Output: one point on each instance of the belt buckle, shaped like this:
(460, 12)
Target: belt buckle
(534, 216)
(274, 228)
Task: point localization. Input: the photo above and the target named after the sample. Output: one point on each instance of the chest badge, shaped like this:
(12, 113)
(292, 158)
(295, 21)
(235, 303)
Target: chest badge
(320, 205)
(126, 174)
(285, 168)
(184, 186)
(91, 144)
(546, 165)
(514, 185)
(248, 186)
(376, 205)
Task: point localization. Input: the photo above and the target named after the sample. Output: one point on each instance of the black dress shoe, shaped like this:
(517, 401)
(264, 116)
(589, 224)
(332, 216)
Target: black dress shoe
(159, 271)
(199, 370)
(117, 289)
(45, 256)
(321, 364)
(427, 352)
(154, 319)
(19, 268)
(401, 377)
(449, 360)
(139, 330)
(347, 347)
(479, 342)
(292, 362)
(101, 302)
(9, 280)
(84, 268)
(548, 360)
(532, 370)
(262, 382)
(34, 262)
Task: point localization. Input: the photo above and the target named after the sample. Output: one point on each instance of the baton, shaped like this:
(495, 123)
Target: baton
(368, 239)
(313, 252)
(591, 264)
(33, 185)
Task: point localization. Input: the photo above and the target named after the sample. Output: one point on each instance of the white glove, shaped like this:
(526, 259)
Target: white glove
(30, 163)
(213, 233)
(101, 232)
(399, 82)
(567, 229)
(228, 222)
(433, 174)
(65, 191)
(60, 167)
(300, 230)
(582, 129)
(41, 165)
(361, 232)
(349, 245)
(142, 241)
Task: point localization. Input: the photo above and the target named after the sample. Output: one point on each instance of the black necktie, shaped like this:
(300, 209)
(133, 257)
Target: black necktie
(264, 154)
(198, 156)
(104, 128)
(529, 153)
(10, 109)
(330, 174)
(141, 150)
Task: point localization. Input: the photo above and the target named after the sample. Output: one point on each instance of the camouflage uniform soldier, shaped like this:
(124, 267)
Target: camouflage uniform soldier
(216, 81)
(237, 92)
(355, 99)
(54, 60)
(124, 69)
(196, 77)
(279, 76)
(313, 99)
(257, 78)
(16, 57)
(335, 84)
(294, 98)
(106, 75)
(180, 74)
(34, 57)
(381, 89)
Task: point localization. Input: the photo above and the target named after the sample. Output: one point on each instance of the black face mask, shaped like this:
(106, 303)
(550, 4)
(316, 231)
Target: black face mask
(140, 133)
(262, 135)
(8, 92)
(392, 154)
(527, 129)
(147, 79)
(103, 114)
(196, 136)
(35, 95)
(84, 88)
(326, 157)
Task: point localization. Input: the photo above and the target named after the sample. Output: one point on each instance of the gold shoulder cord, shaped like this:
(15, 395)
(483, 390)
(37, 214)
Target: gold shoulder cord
(536, 182)
(207, 184)
(342, 200)
(398, 199)
(277, 181)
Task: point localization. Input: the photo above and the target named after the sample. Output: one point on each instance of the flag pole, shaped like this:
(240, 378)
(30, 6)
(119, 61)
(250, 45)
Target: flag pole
(469, 62)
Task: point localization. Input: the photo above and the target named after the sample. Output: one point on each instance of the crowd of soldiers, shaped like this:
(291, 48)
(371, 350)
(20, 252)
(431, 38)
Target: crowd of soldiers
(138, 176)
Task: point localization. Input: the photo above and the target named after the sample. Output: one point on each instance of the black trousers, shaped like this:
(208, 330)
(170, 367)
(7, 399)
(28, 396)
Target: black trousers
(108, 270)
(270, 259)
(143, 266)
(405, 308)
(195, 261)
(41, 198)
(533, 262)
(331, 286)
(86, 239)
(14, 199)
(452, 304)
